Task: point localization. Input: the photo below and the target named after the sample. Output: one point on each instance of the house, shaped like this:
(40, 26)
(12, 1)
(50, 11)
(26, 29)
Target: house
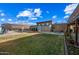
(74, 18)
(59, 27)
(73, 24)
(33, 28)
(16, 27)
(0, 29)
(47, 26)
(44, 26)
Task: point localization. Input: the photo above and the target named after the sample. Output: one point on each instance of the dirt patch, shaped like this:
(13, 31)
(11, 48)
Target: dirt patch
(8, 37)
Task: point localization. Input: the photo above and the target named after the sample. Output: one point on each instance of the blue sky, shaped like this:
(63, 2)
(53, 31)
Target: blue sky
(30, 13)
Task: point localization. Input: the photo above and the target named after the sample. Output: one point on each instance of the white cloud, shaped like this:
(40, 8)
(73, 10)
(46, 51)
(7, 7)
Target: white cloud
(33, 18)
(2, 19)
(54, 16)
(66, 16)
(47, 12)
(2, 14)
(29, 9)
(31, 23)
(16, 22)
(37, 12)
(9, 19)
(25, 13)
(70, 8)
(32, 14)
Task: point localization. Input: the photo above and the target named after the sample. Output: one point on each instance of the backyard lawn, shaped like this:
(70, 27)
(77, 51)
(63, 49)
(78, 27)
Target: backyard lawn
(39, 44)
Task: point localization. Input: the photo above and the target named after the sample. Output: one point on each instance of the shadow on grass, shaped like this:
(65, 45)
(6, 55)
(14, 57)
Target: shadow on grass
(40, 44)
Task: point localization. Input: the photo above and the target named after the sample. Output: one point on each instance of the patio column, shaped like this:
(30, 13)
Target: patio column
(76, 32)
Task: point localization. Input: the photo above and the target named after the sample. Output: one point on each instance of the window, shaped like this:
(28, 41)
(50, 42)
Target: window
(42, 24)
(47, 23)
(39, 24)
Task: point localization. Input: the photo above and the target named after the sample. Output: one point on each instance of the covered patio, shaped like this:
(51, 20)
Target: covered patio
(72, 33)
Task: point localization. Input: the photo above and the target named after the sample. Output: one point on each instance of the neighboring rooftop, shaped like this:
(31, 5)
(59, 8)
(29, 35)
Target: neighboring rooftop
(45, 21)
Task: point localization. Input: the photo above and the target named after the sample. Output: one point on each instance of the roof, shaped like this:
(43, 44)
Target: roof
(18, 26)
(45, 21)
(60, 24)
(33, 25)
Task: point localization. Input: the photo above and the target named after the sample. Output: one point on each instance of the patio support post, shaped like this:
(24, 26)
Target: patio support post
(76, 32)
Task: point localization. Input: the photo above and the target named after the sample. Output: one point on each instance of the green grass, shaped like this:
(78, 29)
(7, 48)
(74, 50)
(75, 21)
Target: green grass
(40, 44)
(72, 50)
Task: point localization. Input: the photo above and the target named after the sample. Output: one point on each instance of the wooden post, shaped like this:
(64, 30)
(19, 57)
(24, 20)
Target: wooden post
(76, 32)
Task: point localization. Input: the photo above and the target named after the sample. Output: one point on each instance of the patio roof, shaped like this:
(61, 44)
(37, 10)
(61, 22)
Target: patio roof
(74, 15)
